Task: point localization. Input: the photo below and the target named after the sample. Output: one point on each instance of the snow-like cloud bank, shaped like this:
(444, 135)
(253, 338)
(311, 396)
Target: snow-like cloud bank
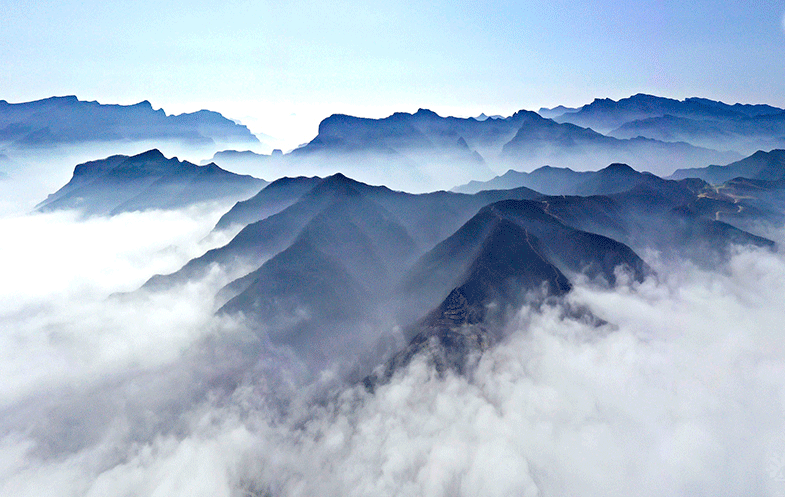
(680, 394)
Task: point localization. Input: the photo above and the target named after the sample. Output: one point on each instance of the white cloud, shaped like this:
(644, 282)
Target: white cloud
(682, 394)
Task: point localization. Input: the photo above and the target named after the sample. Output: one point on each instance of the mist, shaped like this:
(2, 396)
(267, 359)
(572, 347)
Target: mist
(681, 392)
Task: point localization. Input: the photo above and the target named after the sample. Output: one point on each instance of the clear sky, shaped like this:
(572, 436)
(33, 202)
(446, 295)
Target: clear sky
(281, 66)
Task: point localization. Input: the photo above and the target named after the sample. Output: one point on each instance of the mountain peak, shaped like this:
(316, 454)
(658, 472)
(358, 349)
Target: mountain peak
(426, 113)
(151, 154)
(618, 168)
(337, 184)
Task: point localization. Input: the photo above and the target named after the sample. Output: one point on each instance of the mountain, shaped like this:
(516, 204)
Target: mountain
(564, 181)
(249, 162)
(541, 140)
(272, 199)
(422, 151)
(339, 271)
(604, 115)
(767, 166)
(555, 111)
(511, 252)
(146, 181)
(741, 133)
(68, 120)
(411, 150)
(277, 214)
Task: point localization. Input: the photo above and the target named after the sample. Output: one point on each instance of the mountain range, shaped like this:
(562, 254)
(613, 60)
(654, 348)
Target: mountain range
(68, 121)
(406, 149)
(340, 271)
(144, 182)
(702, 122)
(332, 267)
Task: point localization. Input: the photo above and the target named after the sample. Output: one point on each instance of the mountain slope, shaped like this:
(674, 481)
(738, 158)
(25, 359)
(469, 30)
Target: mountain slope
(564, 181)
(604, 115)
(511, 252)
(146, 181)
(67, 120)
(767, 166)
(541, 140)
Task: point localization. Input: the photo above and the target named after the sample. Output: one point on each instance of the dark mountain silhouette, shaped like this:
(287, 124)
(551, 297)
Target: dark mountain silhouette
(67, 120)
(146, 181)
(555, 112)
(564, 181)
(571, 250)
(741, 133)
(428, 218)
(334, 265)
(604, 115)
(331, 278)
(767, 166)
(546, 141)
(270, 200)
(511, 252)
(249, 162)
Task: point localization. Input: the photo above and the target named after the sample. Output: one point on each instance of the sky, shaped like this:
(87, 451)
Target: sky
(281, 67)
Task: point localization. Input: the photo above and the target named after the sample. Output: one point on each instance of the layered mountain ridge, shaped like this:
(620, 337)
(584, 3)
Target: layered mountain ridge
(146, 181)
(68, 120)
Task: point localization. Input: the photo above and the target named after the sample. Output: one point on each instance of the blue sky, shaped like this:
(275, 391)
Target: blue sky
(282, 66)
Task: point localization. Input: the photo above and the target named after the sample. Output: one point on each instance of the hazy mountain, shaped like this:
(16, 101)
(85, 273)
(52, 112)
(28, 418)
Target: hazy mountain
(564, 181)
(768, 166)
(428, 218)
(334, 266)
(272, 199)
(604, 115)
(67, 120)
(555, 111)
(146, 181)
(483, 117)
(248, 162)
(741, 133)
(5, 165)
(643, 210)
(422, 151)
(509, 253)
(407, 149)
(540, 140)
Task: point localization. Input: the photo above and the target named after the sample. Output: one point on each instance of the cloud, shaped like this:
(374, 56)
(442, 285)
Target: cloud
(683, 392)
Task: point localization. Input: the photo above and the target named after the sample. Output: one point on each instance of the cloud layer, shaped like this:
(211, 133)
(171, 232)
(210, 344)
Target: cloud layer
(681, 393)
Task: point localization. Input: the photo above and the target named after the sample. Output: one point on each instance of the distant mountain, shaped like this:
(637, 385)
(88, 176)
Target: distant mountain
(540, 140)
(406, 150)
(422, 151)
(741, 133)
(272, 199)
(146, 181)
(555, 111)
(248, 162)
(67, 120)
(746, 203)
(604, 115)
(768, 166)
(509, 253)
(483, 117)
(564, 181)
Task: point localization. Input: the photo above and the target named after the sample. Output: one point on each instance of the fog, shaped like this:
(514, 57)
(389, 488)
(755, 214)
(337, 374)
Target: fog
(681, 393)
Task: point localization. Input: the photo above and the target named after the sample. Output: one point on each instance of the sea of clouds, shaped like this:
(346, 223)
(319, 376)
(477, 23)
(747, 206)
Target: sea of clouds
(108, 393)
